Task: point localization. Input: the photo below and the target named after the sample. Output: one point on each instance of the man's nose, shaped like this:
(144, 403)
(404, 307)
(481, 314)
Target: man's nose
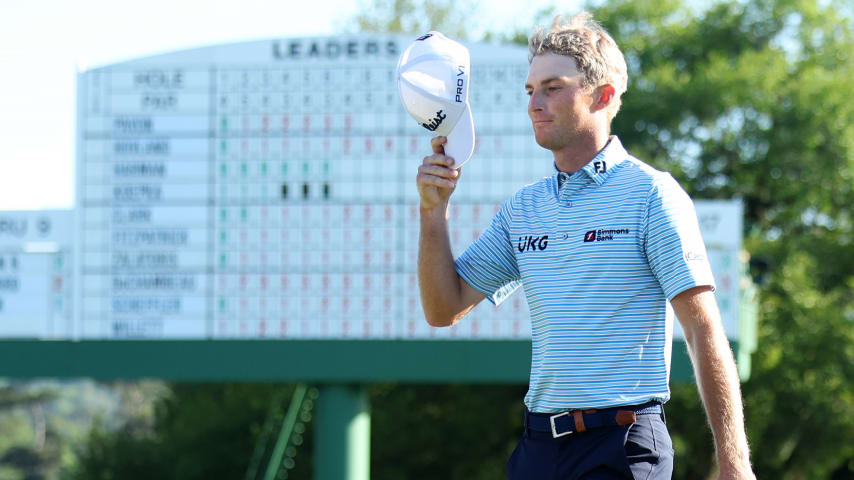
(535, 102)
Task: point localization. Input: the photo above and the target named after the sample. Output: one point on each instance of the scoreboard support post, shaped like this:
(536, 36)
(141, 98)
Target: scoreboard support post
(342, 433)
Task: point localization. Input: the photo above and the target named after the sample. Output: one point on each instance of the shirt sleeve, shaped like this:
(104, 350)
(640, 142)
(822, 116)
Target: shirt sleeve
(489, 264)
(672, 241)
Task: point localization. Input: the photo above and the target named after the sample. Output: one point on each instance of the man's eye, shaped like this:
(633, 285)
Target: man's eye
(528, 93)
(553, 89)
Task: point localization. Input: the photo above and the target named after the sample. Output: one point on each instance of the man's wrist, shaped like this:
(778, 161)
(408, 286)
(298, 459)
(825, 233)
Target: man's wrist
(735, 469)
(437, 212)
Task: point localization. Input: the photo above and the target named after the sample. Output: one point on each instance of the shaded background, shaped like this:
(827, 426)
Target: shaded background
(748, 99)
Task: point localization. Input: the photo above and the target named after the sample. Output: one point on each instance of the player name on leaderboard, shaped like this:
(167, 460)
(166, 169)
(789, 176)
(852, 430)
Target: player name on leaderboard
(266, 189)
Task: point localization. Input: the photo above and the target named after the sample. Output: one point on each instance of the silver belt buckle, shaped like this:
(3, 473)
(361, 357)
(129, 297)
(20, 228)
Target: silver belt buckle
(552, 422)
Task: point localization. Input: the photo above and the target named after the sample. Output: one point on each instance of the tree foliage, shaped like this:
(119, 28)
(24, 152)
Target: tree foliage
(28, 450)
(43, 422)
(454, 432)
(198, 431)
(415, 17)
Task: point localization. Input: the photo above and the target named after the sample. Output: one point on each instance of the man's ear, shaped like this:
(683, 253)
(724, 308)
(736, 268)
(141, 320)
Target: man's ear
(604, 96)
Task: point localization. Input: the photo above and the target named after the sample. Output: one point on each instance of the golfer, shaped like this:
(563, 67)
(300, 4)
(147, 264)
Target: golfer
(601, 247)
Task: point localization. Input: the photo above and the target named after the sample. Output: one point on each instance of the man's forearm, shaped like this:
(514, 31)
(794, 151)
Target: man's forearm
(437, 276)
(717, 380)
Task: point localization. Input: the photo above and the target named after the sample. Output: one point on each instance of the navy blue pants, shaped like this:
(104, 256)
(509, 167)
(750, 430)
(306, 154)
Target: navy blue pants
(642, 450)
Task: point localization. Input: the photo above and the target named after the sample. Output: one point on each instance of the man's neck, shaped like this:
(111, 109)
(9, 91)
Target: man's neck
(574, 157)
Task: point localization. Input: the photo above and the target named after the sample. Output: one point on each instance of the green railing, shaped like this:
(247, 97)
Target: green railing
(280, 456)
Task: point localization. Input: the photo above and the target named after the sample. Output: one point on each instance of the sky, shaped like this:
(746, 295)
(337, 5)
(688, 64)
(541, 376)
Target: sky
(43, 44)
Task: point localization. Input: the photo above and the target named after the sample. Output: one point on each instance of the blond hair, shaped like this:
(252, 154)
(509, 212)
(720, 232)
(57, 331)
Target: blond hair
(596, 54)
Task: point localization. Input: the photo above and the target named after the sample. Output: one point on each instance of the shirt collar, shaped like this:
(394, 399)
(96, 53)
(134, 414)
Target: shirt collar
(601, 166)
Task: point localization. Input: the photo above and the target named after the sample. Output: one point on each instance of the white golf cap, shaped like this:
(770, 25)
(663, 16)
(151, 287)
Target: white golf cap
(433, 79)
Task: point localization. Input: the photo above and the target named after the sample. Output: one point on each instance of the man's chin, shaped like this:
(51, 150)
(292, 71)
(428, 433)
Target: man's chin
(547, 143)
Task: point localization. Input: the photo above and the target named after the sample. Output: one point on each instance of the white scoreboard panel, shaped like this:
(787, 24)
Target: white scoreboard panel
(721, 224)
(35, 274)
(266, 190)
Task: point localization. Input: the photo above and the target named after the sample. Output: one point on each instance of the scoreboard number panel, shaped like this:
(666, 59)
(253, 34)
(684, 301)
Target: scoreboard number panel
(35, 274)
(266, 190)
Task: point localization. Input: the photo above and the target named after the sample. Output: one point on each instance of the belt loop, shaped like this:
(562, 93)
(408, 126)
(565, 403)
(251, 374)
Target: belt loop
(663, 418)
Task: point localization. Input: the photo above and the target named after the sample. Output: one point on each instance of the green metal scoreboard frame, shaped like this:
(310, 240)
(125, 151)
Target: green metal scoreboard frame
(248, 212)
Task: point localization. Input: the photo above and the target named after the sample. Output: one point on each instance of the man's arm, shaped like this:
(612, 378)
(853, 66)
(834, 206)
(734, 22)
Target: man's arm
(717, 379)
(445, 296)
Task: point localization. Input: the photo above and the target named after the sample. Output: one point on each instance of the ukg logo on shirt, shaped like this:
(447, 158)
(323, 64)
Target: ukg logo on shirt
(532, 243)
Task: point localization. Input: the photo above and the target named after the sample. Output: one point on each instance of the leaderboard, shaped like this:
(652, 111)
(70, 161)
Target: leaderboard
(267, 190)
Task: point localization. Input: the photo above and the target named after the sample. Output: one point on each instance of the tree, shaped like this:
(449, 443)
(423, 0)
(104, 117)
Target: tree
(454, 432)
(198, 431)
(415, 17)
(28, 450)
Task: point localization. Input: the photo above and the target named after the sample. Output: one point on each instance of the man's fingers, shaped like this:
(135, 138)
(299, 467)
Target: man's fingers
(438, 171)
(432, 180)
(438, 159)
(437, 144)
(435, 170)
(426, 176)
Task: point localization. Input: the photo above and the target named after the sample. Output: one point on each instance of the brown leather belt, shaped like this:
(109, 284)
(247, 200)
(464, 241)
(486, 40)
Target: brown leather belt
(579, 421)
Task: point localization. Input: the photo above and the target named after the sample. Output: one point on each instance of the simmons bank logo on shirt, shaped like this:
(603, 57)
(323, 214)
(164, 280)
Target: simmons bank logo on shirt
(604, 234)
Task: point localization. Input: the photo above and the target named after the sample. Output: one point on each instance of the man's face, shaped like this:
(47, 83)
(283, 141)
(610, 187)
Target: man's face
(561, 110)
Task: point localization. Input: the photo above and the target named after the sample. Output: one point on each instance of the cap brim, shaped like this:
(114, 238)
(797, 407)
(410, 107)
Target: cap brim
(460, 145)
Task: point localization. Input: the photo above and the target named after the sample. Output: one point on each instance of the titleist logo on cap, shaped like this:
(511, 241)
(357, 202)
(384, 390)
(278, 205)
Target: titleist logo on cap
(434, 124)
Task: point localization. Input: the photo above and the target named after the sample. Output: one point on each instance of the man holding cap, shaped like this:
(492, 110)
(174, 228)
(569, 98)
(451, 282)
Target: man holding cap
(618, 240)
(433, 81)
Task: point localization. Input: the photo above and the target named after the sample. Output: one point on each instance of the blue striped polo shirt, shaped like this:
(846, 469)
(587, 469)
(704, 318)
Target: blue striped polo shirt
(600, 252)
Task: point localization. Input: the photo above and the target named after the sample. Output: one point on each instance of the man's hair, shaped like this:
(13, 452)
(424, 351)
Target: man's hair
(596, 54)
